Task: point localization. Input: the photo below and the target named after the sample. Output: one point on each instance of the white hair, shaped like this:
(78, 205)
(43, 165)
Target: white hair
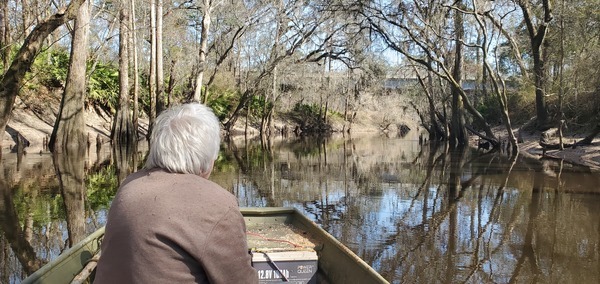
(185, 139)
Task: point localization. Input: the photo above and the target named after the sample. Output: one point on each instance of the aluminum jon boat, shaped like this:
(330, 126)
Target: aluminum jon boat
(287, 247)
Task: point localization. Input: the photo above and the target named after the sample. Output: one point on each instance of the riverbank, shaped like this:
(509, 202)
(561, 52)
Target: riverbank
(587, 156)
(35, 126)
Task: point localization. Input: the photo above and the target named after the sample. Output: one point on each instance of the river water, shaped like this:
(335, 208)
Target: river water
(416, 213)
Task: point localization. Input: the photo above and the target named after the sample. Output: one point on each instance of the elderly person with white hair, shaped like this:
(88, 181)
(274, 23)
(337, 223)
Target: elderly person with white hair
(168, 223)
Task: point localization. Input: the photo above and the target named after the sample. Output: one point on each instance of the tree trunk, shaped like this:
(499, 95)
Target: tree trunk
(5, 40)
(245, 98)
(435, 130)
(160, 100)
(69, 127)
(458, 132)
(27, 17)
(12, 81)
(125, 161)
(123, 132)
(136, 75)
(152, 75)
(561, 65)
(499, 90)
(171, 83)
(536, 38)
(206, 11)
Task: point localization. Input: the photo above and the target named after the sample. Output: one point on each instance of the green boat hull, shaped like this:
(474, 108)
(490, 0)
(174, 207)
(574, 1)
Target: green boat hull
(67, 265)
(336, 263)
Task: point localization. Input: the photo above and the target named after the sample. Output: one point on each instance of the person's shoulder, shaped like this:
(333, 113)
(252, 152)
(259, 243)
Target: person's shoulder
(207, 187)
(137, 175)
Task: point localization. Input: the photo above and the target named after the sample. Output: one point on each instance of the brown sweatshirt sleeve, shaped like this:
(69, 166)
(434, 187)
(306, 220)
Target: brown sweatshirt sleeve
(226, 252)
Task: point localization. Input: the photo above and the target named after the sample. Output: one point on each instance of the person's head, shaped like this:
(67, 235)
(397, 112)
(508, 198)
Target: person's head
(185, 139)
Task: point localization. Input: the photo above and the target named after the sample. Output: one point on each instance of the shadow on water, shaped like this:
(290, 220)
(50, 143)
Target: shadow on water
(416, 213)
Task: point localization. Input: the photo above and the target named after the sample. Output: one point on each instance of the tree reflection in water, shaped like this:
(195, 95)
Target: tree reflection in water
(416, 213)
(427, 214)
(15, 239)
(71, 177)
(50, 202)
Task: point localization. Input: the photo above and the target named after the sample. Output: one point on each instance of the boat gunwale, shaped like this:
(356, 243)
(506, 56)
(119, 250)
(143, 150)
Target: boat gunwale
(292, 214)
(66, 257)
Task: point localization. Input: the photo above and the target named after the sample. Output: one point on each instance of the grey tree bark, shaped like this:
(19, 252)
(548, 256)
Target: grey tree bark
(206, 18)
(12, 81)
(498, 84)
(5, 40)
(458, 132)
(69, 127)
(123, 132)
(537, 36)
(152, 75)
(160, 76)
(436, 132)
(134, 57)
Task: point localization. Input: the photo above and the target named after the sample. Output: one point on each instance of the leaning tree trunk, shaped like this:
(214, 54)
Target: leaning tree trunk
(499, 90)
(69, 127)
(12, 81)
(123, 132)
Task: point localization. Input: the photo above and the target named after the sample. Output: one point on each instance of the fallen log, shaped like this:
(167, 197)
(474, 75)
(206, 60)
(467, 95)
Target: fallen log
(554, 146)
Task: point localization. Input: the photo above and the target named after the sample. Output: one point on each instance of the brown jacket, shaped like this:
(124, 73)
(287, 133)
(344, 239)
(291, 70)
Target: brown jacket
(174, 228)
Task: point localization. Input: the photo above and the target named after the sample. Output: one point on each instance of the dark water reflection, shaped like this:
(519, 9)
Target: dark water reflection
(416, 214)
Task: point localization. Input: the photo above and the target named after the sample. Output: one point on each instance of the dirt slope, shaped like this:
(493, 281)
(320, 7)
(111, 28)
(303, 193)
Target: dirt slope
(34, 123)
